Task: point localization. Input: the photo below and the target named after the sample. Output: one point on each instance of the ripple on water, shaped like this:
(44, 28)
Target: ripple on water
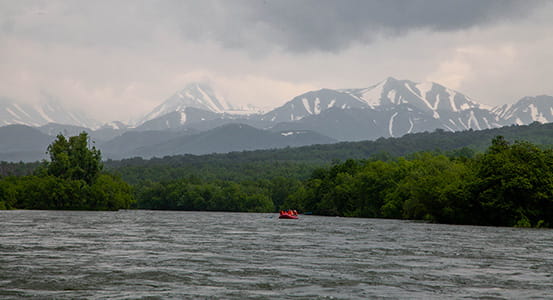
(160, 255)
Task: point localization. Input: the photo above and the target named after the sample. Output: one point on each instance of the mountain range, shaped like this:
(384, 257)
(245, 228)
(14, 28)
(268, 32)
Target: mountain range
(196, 120)
(39, 114)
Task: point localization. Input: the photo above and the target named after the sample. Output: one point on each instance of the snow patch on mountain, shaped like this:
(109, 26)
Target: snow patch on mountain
(536, 115)
(473, 122)
(451, 97)
(182, 117)
(424, 88)
(307, 106)
(465, 127)
(391, 124)
(290, 133)
(43, 114)
(424, 100)
(392, 96)
(373, 95)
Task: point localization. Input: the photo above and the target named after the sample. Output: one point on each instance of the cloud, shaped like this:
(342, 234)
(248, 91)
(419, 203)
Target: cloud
(129, 56)
(256, 26)
(335, 25)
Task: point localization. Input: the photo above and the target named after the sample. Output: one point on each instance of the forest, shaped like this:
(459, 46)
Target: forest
(510, 184)
(503, 184)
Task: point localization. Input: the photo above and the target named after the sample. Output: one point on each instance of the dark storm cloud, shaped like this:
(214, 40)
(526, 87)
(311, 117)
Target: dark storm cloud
(334, 25)
(254, 25)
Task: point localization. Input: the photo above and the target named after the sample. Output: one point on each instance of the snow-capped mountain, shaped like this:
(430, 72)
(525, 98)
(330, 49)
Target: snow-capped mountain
(390, 108)
(194, 95)
(453, 110)
(526, 111)
(313, 103)
(41, 114)
(428, 96)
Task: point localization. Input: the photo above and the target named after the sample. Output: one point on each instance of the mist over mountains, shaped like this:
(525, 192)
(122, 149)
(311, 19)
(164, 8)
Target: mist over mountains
(196, 120)
(39, 114)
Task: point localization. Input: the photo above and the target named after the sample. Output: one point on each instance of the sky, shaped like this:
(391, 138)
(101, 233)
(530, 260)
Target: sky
(117, 60)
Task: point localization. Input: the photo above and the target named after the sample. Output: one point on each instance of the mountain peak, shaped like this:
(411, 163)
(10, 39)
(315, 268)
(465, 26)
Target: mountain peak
(199, 95)
(193, 95)
(527, 110)
(428, 96)
(390, 79)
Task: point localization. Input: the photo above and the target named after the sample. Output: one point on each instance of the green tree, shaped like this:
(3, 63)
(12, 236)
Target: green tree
(437, 189)
(71, 180)
(7, 193)
(74, 159)
(376, 180)
(515, 184)
(109, 192)
(281, 188)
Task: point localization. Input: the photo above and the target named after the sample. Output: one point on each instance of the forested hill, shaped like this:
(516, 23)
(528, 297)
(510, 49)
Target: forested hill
(541, 134)
(304, 159)
(299, 162)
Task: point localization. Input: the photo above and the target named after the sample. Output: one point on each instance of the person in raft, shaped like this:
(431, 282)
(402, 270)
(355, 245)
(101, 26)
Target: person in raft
(292, 212)
(286, 212)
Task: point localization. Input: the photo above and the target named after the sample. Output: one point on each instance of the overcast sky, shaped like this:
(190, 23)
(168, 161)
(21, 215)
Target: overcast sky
(119, 59)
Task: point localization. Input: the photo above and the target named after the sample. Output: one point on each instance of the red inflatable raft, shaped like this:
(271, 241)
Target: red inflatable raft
(288, 214)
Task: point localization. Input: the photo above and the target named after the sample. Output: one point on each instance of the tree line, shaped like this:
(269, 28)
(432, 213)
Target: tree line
(508, 184)
(511, 184)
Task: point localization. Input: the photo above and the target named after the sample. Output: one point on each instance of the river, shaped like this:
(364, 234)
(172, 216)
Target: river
(136, 254)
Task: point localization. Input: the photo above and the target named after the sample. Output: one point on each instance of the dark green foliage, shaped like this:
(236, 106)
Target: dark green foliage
(71, 180)
(515, 184)
(50, 192)
(73, 159)
(509, 185)
(196, 195)
(8, 193)
(136, 171)
(17, 169)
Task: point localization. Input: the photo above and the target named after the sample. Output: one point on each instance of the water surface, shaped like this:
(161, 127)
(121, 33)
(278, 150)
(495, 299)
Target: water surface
(186, 255)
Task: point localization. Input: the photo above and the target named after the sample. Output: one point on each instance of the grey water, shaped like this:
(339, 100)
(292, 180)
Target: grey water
(138, 254)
